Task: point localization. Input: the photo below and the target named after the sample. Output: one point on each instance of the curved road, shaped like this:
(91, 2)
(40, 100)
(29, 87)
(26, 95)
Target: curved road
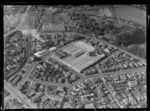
(111, 73)
(18, 95)
(28, 43)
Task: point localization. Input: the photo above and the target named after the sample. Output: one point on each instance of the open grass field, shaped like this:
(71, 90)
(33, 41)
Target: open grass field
(131, 14)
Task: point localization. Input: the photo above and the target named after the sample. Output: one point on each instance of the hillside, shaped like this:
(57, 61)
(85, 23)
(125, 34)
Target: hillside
(139, 50)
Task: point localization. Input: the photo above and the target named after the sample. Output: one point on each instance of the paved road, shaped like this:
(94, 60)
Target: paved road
(105, 42)
(22, 20)
(28, 72)
(28, 51)
(10, 32)
(120, 72)
(54, 84)
(91, 76)
(87, 36)
(28, 43)
(132, 55)
(112, 73)
(85, 77)
(112, 93)
(18, 95)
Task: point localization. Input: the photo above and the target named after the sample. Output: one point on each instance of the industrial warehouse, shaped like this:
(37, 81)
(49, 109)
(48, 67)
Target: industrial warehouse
(45, 27)
(76, 56)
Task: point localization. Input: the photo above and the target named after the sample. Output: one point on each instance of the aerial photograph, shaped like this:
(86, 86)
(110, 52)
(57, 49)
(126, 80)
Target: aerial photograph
(75, 56)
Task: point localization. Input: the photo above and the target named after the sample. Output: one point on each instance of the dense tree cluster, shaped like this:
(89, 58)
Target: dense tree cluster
(139, 50)
(136, 37)
(125, 35)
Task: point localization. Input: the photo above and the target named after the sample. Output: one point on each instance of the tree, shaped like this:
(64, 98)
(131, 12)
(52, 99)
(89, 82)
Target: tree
(115, 31)
(138, 36)
(135, 37)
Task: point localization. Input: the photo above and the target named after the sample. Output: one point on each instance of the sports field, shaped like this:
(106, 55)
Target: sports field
(132, 14)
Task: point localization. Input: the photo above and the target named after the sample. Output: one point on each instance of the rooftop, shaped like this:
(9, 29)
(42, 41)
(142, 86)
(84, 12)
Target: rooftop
(78, 58)
(45, 27)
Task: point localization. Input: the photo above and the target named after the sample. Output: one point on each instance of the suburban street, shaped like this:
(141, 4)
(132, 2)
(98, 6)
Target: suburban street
(112, 93)
(18, 95)
(111, 73)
